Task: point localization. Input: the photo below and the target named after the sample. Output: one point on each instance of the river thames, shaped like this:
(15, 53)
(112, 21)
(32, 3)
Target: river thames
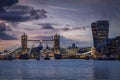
(59, 70)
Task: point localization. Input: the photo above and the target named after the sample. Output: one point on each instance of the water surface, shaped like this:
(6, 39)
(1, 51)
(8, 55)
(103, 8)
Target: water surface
(59, 70)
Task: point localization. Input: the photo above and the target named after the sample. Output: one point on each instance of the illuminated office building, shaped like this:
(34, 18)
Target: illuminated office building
(100, 31)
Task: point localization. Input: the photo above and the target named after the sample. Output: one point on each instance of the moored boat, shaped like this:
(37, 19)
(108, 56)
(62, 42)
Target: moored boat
(47, 58)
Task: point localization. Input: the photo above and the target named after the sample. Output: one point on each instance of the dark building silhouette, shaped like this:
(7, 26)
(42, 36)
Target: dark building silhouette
(112, 47)
(100, 31)
(73, 45)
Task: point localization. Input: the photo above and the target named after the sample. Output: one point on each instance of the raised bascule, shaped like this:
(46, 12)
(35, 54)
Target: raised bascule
(25, 40)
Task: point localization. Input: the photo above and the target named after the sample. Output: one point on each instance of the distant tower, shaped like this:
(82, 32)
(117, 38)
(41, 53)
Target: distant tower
(24, 39)
(100, 31)
(47, 47)
(56, 42)
(73, 45)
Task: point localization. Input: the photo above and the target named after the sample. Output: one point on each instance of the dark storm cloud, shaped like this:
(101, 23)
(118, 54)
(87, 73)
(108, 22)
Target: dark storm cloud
(6, 36)
(67, 27)
(43, 26)
(3, 27)
(4, 3)
(20, 13)
(14, 14)
(47, 25)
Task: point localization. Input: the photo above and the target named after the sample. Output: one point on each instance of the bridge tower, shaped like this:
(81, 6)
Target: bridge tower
(24, 39)
(56, 46)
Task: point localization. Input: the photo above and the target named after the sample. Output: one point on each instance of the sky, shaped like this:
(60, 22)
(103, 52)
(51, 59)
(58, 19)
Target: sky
(41, 19)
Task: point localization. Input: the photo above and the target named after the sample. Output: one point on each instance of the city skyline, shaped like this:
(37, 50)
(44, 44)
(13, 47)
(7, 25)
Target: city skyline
(59, 39)
(60, 14)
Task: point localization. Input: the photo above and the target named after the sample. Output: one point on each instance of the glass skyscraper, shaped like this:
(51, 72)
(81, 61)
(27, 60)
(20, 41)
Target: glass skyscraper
(100, 31)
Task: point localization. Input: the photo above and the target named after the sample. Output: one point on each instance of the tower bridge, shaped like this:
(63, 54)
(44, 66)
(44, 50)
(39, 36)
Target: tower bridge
(25, 40)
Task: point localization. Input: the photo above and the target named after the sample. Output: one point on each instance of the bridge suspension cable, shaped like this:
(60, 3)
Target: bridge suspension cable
(13, 49)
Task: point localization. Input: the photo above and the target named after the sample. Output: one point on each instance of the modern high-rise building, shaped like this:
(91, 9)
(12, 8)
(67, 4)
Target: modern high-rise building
(100, 31)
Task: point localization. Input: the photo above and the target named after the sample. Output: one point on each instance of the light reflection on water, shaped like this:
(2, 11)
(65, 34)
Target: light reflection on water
(59, 70)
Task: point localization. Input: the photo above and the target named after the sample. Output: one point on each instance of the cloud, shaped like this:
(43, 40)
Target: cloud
(20, 13)
(68, 28)
(6, 36)
(3, 27)
(63, 8)
(6, 32)
(47, 25)
(44, 37)
(57, 27)
(4, 3)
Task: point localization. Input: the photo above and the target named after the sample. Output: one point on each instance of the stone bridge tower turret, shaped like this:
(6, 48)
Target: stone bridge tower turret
(24, 39)
(56, 43)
